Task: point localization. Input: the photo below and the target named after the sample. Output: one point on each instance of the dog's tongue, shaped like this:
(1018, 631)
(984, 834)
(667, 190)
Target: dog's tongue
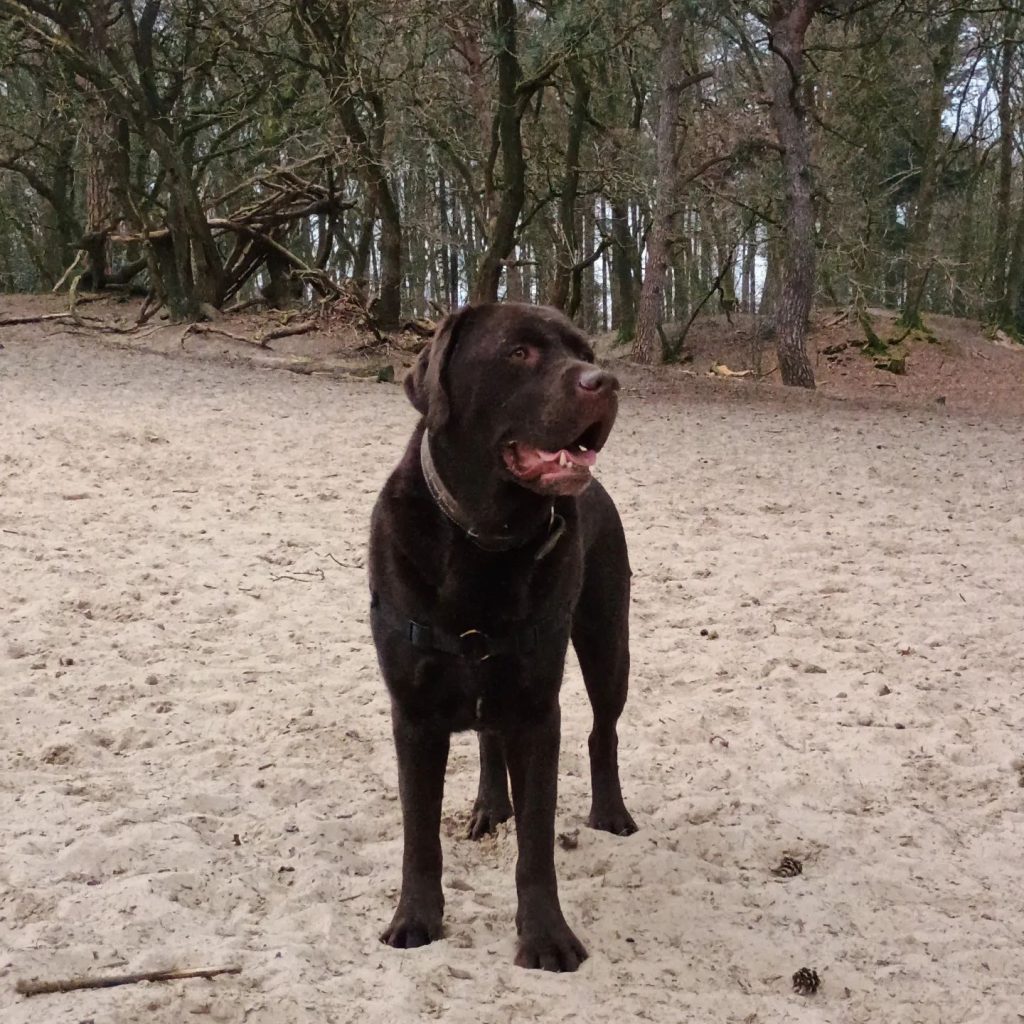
(535, 462)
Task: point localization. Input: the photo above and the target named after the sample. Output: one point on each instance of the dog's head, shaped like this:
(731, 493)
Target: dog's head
(516, 387)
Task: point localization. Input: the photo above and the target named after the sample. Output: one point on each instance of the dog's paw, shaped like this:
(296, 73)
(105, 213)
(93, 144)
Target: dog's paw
(410, 928)
(617, 820)
(485, 820)
(554, 948)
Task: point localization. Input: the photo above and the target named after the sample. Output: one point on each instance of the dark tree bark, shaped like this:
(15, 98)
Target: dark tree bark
(788, 23)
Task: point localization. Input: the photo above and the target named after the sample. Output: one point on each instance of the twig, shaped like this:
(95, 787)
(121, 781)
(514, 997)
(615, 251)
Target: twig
(67, 273)
(313, 574)
(146, 313)
(344, 565)
(35, 988)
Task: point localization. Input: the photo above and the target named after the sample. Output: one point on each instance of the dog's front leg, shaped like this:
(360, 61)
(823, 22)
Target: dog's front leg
(422, 759)
(545, 940)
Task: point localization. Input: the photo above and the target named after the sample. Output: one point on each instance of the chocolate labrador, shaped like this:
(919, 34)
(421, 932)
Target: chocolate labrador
(490, 546)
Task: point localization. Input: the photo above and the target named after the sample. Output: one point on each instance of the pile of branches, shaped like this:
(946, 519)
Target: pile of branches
(282, 200)
(258, 227)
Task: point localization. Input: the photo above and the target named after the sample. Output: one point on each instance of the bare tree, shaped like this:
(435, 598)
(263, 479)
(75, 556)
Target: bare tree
(513, 98)
(328, 24)
(788, 22)
(918, 262)
(646, 343)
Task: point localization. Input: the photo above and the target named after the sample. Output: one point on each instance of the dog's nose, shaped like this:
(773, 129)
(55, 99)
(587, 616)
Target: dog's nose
(594, 379)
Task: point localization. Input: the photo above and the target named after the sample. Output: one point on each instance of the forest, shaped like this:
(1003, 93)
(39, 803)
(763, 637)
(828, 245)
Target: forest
(634, 163)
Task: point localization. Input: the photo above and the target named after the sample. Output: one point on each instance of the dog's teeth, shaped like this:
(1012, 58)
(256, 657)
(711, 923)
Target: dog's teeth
(563, 458)
(583, 448)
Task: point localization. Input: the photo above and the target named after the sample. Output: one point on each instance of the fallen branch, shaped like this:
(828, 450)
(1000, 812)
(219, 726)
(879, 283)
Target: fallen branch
(210, 329)
(36, 988)
(424, 328)
(721, 370)
(17, 321)
(303, 327)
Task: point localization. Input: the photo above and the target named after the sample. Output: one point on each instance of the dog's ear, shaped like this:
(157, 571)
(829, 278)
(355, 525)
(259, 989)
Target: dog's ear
(416, 381)
(424, 386)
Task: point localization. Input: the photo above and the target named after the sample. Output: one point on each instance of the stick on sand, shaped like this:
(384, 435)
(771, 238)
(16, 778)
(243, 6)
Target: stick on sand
(36, 988)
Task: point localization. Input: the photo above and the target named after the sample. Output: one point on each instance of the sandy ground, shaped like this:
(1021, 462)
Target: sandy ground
(195, 760)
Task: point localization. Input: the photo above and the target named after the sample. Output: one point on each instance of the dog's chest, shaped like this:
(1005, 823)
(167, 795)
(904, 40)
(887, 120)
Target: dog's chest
(491, 694)
(484, 591)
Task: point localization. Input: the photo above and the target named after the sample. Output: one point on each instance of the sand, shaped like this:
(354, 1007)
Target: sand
(195, 760)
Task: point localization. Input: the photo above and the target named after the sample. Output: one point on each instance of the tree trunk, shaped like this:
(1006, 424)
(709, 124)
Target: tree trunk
(387, 307)
(513, 163)
(567, 248)
(327, 25)
(63, 229)
(647, 343)
(749, 258)
(788, 26)
(918, 263)
(1015, 278)
(1001, 311)
(623, 258)
(681, 279)
(725, 263)
(364, 241)
(106, 159)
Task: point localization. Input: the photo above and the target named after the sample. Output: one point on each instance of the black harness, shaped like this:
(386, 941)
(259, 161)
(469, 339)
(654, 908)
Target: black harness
(472, 644)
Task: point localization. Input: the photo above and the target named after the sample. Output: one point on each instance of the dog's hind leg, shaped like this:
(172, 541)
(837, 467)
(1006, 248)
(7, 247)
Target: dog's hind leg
(600, 636)
(492, 805)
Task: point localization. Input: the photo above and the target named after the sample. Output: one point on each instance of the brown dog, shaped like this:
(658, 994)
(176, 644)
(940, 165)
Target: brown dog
(490, 546)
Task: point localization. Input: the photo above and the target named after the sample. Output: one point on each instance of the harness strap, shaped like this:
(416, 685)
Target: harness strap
(472, 644)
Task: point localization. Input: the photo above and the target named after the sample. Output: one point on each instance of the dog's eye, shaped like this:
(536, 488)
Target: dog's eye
(520, 353)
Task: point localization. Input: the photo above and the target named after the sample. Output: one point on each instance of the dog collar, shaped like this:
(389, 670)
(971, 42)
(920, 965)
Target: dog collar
(506, 540)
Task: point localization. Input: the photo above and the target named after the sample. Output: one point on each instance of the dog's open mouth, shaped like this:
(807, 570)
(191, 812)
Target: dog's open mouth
(564, 470)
